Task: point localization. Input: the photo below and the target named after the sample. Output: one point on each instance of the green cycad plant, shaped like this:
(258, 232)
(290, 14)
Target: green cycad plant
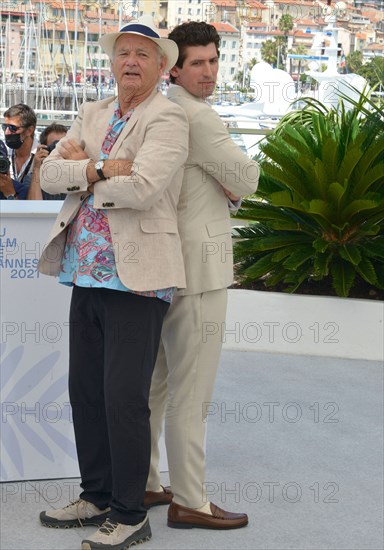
(319, 210)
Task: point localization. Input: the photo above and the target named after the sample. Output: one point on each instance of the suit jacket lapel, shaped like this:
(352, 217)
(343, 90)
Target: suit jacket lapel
(130, 124)
(103, 117)
(123, 134)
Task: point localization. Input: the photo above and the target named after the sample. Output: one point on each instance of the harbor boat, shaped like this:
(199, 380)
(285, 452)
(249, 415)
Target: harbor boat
(50, 57)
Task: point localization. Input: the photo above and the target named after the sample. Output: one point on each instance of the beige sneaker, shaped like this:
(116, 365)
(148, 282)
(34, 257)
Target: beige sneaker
(118, 536)
(76, 514)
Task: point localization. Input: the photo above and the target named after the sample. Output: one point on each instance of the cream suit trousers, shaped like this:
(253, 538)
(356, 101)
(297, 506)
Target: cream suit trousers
(182, 383)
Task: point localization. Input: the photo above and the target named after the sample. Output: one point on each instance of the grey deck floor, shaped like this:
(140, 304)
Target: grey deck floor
(296, 442)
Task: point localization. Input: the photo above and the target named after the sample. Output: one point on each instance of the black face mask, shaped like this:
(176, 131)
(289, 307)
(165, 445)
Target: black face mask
(13, 141)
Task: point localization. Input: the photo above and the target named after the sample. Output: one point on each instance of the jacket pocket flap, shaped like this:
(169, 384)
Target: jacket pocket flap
(218, 227)
(158, 226)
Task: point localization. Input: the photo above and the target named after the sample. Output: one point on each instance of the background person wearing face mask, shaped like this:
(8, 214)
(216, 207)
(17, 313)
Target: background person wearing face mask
(49, 138)
(19, 133)
(8, 186)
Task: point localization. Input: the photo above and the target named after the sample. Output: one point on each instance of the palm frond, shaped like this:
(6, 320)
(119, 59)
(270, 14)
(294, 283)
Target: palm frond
(319, 210)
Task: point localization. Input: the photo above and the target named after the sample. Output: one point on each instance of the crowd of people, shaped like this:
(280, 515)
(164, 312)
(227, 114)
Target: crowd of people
(22, 154)
(161, 173)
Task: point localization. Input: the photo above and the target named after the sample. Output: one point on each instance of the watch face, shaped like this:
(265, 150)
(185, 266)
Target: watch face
(99, 164)
(11, 198)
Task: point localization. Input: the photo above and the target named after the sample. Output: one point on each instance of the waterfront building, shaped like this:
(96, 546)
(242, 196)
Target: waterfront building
(229, 52)
(49, 48)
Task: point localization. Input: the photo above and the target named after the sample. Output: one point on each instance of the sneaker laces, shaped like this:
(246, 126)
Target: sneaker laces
(77, 503)
(73, 503)
(108, 527)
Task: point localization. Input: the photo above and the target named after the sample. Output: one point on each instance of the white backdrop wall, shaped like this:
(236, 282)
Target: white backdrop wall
(37, 440)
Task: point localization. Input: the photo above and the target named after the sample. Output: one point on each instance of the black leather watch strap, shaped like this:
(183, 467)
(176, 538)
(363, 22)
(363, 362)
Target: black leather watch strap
(100, 172)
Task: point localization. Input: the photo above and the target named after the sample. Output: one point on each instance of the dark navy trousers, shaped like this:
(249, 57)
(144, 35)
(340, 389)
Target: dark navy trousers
(114, 339)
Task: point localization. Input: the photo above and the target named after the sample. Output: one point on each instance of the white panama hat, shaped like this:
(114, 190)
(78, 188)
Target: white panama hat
(144, 26)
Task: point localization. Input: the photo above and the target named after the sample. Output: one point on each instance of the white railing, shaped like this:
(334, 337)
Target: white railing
(242, 136)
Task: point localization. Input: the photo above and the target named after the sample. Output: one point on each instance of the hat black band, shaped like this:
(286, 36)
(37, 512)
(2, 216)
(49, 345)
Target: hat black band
(142, 29)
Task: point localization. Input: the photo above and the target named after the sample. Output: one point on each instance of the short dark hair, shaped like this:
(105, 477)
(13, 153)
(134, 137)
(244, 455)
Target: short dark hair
(54, 127)
(26, 114)
(193, 33)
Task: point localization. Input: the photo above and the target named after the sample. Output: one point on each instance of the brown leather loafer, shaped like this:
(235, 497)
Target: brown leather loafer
(181, 517)
(154, 498)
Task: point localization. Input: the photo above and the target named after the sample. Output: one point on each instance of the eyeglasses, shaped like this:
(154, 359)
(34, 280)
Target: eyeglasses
(12, 128)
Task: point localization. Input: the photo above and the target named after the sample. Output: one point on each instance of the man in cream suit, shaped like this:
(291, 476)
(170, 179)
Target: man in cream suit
(116, 242)
(217, 172)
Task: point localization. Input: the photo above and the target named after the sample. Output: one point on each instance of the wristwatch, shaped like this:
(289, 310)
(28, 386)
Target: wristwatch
(99, 169)
(11, 197)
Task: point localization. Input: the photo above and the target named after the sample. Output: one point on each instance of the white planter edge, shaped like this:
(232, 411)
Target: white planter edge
(302, 325)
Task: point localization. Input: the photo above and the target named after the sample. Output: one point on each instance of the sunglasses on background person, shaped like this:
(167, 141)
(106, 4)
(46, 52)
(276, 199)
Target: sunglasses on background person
(12, 128)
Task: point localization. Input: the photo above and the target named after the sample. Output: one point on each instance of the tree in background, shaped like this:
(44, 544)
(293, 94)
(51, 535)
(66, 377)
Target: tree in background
(281, 53)
(298, 50)
(269, 52)
(285, 26)
(286, 23)
(373, 71)
(354, 62)
(240, 74)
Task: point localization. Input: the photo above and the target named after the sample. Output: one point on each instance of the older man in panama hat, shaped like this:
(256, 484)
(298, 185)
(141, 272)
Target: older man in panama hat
(116, 243)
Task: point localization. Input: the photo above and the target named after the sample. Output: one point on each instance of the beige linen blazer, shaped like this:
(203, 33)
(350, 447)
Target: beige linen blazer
(214, 162)
(142, 207)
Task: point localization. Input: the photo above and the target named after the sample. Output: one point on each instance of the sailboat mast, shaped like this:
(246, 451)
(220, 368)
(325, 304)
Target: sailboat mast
(75, 45)
(6, 57)
(75, 103)
(27, 47)
(99, 64)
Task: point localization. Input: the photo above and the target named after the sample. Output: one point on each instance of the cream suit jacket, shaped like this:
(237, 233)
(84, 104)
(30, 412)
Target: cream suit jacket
(142, 207)
(214, 162)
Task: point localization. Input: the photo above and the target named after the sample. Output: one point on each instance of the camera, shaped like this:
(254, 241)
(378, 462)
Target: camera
(5, 164)
(51, 147)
